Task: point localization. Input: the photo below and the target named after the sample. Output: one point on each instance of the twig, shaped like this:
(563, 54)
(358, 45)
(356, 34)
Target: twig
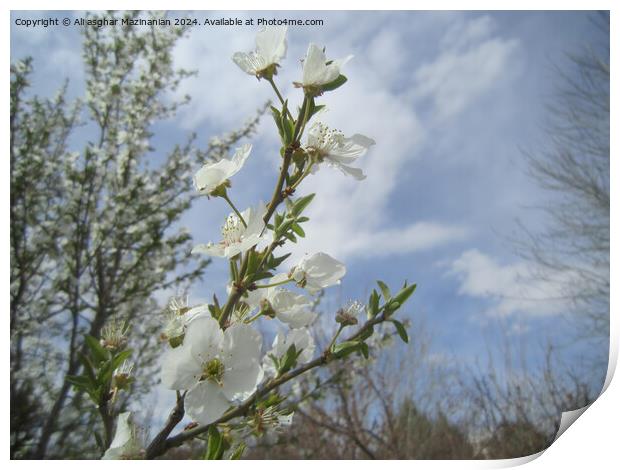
(175, 441)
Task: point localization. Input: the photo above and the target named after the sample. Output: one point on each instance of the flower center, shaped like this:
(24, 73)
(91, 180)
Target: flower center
(232, 230)
(213, 371)
(327, 140)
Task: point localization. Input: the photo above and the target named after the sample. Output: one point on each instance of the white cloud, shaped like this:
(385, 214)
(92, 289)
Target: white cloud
(512, 288)
(468, 65)
(348, 218)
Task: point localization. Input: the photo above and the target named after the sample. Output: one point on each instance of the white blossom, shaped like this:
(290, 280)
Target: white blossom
(332, 147)
(270, 419)
(215, 366)
(318, 271)
(290, 308)
(212, 175)
(303, 341)
(270, 50)
(317, 70)
(177, 316)
(293, 309)
(126, 444)
(236, 237)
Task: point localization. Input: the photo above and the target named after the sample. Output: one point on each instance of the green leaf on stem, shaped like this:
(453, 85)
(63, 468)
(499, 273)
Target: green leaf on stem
(301, 203)
(401, 330)
(98, 352)
(215, 447)
(364, 350)
(405, 293)
(337, 83)
(298, 230)
(278, 119)
(238, 452)
(291, 237)
(373, 304)
(347, 347)
(253, 261)
(80, 382)
(385, 290)
(289, 359)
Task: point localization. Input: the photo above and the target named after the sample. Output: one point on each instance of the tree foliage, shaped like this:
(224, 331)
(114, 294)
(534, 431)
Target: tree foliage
(94, 232)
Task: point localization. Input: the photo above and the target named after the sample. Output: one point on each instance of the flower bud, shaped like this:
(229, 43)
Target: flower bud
(114, 336)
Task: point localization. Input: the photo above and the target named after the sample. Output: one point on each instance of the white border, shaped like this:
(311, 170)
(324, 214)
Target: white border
(592, 442)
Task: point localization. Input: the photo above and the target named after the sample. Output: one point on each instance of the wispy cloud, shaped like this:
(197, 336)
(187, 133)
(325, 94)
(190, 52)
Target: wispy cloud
(470, 62)
(512, 289)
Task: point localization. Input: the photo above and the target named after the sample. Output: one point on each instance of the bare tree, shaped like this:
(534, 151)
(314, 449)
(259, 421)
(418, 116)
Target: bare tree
(573, 249)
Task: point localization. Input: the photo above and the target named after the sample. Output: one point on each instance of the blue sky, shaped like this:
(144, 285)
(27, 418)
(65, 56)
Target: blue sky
(452, 100)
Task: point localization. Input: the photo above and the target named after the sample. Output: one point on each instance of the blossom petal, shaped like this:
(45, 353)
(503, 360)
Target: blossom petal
(242, 380)
(246, 61)
(356, 173)
(297, 318)
(314, 66)
(123, 432)
(204, 338)
(319, 271)
(205, 402)
(211, 249)
(271, 43)
(211, 175)
(242, 345)
(179, 370)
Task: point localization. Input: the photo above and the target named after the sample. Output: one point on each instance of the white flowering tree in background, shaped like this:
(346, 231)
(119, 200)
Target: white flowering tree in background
(94, 236)
(227, 381)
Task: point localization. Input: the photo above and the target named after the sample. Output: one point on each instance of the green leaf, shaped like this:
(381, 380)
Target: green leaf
(289, 129)
(298, 230)
(262, 275)
(215, 449)
(278, 119)
(385, 290)
(291, 237)
(302, 203)
(337, 83)
(373, 304)
(289, 360)
(367, 333)
(278, 261)
(402, 331)
(287, 125)
(364, 350)
(233, 269)
(120, 358)
(80, 382)
(286, 225)
(278, 220)
(253, 259)
(88, 367)
(99, 353)
(345, 348)
(405, 293)
(238, 452)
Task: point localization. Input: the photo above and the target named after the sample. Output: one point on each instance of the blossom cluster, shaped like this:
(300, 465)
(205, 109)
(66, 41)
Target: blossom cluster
(219, 364)
(216, 359)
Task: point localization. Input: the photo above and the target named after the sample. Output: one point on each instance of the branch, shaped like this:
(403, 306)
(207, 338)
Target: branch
(175, 441)
(158, 444)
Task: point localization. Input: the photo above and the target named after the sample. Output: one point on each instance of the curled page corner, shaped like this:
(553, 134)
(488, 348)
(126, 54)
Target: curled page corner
(569, 417)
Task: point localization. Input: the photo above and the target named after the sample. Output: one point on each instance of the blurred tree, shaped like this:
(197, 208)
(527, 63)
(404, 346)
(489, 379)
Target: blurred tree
(573, 249)
(93, 233)
(392, 407)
